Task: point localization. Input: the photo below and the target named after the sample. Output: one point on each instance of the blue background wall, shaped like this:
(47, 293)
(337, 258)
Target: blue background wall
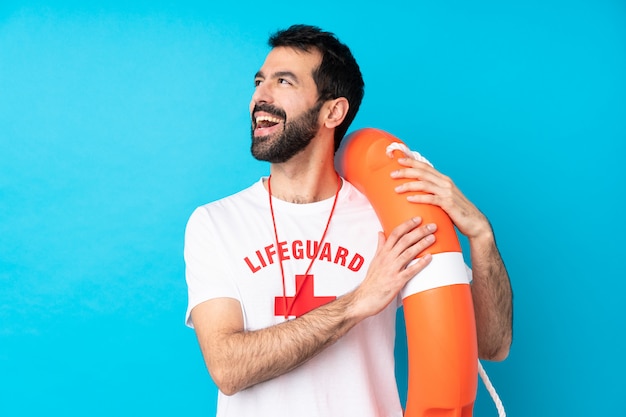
(117, 119)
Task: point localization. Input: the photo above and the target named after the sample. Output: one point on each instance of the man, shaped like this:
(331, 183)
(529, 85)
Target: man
(293, 289)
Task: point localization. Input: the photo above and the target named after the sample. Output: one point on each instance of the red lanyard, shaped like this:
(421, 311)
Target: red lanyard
(280, 259)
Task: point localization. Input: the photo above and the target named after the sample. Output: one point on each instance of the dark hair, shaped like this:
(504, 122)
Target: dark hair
(337, 76)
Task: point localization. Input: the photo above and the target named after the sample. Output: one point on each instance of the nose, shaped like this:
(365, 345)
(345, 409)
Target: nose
(262, 93)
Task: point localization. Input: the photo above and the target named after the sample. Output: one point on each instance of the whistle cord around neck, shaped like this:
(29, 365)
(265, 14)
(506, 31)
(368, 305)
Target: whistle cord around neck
(287, 308)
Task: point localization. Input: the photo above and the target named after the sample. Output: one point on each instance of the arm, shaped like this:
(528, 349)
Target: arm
(491, 288)
(493, 298)
(238, 359)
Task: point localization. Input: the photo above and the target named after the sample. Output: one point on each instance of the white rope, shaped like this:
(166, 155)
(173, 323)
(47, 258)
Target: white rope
(397, 146)
(492, 390)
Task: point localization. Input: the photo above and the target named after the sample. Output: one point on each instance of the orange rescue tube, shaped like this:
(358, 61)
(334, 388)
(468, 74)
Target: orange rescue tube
(438, 309)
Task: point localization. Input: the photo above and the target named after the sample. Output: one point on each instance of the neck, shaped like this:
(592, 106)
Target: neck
(310, 175)
(303, 186)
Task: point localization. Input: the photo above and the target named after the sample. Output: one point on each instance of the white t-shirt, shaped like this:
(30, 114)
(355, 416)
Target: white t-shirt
(230, 251)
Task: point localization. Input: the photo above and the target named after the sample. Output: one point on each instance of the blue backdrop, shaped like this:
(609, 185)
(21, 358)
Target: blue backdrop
(117, 119)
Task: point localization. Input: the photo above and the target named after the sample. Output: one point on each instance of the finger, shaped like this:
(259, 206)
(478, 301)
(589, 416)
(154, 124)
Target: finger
(422, 232)
(417, 266)
(381, 241)
(414, 163)
(430, 192)
(425, 238)
(413, 243)
(402, 229)
(420, 170)
(417, 186)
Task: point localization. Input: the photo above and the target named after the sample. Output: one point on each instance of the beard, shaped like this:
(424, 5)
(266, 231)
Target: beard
(296, 135)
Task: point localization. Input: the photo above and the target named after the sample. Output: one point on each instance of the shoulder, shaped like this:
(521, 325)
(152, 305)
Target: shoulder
(248, 198)
(355, 209)
(353, 199)
(208, 217)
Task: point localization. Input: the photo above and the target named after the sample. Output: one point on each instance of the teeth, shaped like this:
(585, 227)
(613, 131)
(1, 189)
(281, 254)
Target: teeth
(267, 119)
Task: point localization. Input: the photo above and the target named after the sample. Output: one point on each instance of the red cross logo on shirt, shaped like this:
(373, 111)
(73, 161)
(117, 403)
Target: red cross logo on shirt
(304, 300)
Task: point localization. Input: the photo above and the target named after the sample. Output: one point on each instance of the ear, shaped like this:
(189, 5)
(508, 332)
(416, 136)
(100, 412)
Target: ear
(335, 111)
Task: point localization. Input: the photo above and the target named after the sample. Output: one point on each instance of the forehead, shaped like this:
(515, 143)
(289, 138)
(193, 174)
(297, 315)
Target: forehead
(287, 59)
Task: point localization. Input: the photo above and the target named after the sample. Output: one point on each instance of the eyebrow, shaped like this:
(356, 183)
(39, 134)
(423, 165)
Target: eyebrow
(279, 74)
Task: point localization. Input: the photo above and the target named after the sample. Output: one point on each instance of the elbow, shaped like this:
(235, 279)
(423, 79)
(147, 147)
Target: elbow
(224, 382)
(497, 356)
(228, 390)
(496, 352)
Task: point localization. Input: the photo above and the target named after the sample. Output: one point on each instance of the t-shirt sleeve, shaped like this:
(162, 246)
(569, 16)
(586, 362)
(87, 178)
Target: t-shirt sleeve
(206, 268)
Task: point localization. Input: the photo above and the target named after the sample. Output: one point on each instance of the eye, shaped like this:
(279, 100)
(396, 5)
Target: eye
(284, 81)
(257, 82)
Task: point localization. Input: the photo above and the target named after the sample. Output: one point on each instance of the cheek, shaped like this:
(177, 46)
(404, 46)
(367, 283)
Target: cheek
(295, 108)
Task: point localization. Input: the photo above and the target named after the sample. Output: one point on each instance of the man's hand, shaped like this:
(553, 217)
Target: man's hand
(438, 189)
(392, 267)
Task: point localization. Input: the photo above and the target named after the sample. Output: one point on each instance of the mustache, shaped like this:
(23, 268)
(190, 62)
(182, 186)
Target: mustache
(268, 108)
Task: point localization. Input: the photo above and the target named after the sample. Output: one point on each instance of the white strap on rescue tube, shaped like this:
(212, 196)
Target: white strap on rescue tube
(446, 268)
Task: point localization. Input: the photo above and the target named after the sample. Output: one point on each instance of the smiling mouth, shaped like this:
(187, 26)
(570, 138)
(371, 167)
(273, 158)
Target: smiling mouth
(265, 122)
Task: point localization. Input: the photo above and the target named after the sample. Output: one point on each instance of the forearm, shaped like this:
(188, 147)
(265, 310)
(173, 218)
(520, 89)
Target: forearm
(246, 358)
(492, 296)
